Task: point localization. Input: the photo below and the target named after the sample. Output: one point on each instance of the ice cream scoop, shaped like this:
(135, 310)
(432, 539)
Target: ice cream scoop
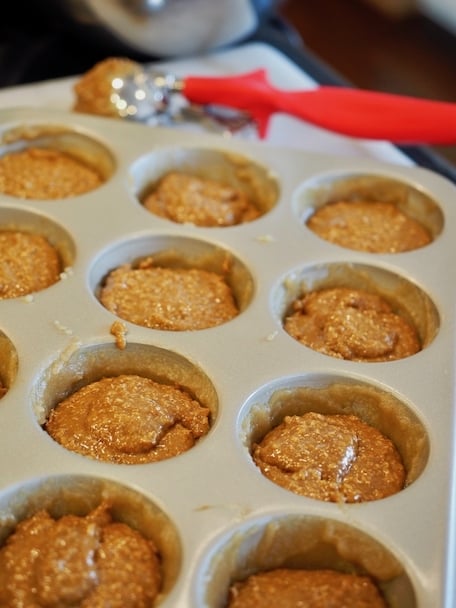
(142, 93)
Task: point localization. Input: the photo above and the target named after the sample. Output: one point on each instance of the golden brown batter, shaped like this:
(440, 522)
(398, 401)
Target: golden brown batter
(168, 298)
(44, 173)
(94, 89)
(351, 324)
(28, 263)
(128, 419)
(284, 588)
(88, 562)
(119, 331)
(336, 458)
(374, 226)
(184, 198)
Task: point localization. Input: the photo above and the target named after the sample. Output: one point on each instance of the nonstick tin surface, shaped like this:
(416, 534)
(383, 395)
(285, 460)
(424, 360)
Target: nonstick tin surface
(216, 517)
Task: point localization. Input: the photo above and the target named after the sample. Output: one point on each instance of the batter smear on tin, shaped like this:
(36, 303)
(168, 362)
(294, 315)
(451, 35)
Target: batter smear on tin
(119, 331)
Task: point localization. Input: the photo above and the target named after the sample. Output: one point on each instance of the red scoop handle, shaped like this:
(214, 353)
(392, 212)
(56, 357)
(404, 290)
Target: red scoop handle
(349, 111)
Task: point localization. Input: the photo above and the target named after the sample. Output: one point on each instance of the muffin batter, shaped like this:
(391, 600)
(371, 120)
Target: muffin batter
(28, 263)
(94, 89)
(285, 588)
(45, 173)
(184, 198)
(374, 226)
(119, 331)
(128, 419)
(335, 458)
(168, 298)
(78, 561)
(351, 324)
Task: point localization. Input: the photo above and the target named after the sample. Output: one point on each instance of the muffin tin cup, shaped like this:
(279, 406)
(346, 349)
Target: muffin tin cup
(292, 540)
(214, 493)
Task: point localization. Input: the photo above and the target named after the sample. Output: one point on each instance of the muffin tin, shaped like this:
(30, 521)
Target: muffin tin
(212, 513)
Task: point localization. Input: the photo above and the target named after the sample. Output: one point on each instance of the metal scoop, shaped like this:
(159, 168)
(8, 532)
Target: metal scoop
(156, 98)
(148, 95)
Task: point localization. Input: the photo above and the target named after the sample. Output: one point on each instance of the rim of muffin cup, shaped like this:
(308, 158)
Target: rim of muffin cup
(233, 169)
(406, 297)
(172, 251)
(77, 142)
(331, 393)
(297, 541)
(78, 494)
(333, 186)
(91, 362)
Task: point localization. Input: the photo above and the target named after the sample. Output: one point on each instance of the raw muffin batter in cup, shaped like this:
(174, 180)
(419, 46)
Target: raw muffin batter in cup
(45, 173)
(286, 588)
(373, 226)
(184, 198)
(351, 324)
(128, 419)
(176, 299)
(335, 458)
(78, 561)
(28, 263)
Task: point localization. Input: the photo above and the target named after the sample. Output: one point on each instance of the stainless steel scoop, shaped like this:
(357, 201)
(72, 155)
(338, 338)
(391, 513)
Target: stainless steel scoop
(151, 96)
(157, 98)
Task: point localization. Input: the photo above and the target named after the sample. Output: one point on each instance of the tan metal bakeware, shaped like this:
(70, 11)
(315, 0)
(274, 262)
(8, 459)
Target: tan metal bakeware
(212, 513)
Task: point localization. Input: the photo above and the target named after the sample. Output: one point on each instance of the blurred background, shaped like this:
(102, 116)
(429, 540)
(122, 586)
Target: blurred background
(397, 46)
